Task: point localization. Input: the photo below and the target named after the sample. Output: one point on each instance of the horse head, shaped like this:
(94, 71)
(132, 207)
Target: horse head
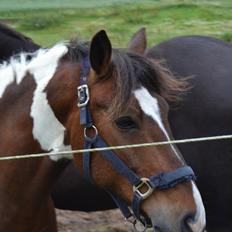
(121, 101)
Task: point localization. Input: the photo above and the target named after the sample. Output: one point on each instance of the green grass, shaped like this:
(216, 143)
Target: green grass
(48, 22)
(53, 4)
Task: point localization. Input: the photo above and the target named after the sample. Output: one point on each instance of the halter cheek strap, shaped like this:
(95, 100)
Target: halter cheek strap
(161, 181)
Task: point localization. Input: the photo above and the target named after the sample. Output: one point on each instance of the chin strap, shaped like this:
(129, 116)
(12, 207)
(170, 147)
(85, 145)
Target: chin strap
(161, 181)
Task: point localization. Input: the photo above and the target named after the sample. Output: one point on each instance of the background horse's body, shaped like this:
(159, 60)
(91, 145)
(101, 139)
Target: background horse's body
(205, 111)
(13, 42)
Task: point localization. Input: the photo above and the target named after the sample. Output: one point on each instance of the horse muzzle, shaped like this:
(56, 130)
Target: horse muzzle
(184, 226)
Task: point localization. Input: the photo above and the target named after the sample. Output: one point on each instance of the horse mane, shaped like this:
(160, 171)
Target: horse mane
(77, 49)
(131, 71)
(12, 33)
(172, 87)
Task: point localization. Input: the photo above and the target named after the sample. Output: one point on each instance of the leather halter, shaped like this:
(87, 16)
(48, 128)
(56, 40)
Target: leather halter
(161, 181)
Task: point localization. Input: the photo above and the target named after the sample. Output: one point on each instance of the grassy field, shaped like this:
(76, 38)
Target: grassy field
(47, 22)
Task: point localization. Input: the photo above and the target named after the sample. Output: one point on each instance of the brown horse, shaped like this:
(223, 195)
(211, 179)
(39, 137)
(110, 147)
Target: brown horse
(39, 113)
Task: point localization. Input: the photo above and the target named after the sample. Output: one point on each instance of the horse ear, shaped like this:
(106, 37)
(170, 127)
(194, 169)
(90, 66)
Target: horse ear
(138, 43)
(100, 52)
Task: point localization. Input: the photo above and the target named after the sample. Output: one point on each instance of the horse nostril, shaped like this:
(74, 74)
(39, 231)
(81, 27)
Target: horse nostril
(187, 220)
(191, 223)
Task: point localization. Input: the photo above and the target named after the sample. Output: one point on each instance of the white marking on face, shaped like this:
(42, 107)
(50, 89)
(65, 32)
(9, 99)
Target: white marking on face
(150, 107)
(47, 130)
(199, 221)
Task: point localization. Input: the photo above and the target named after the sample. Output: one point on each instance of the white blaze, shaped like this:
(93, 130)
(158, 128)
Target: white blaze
(150, 107)
(199, 221)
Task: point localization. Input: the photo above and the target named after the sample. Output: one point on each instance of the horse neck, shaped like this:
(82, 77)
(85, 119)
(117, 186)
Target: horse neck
(28, 124)
(62, 97)
(27, 184)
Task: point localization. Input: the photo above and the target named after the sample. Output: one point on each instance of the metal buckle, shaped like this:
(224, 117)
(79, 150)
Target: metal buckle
(144, 182)
(83, 95)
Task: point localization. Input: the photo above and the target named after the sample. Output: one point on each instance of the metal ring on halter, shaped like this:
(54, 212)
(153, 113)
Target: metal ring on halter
(93, 137)
(138, 225)
(145, 182)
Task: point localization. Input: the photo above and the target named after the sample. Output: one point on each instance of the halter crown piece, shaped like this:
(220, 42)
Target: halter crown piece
(161, 181)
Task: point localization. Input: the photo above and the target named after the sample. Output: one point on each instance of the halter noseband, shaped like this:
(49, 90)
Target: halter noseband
(161, 181)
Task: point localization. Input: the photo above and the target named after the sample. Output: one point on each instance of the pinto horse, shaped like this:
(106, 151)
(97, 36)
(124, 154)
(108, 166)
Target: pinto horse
(41, 88)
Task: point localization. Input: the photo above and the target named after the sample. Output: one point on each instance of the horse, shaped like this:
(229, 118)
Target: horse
(13, 42)
(41, 88)
(204, 111)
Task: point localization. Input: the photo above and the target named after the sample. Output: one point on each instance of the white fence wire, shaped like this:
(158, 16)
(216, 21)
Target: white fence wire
(74, 152)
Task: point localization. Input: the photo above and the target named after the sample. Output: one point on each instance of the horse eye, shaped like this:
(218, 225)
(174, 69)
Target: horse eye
(126, 123)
